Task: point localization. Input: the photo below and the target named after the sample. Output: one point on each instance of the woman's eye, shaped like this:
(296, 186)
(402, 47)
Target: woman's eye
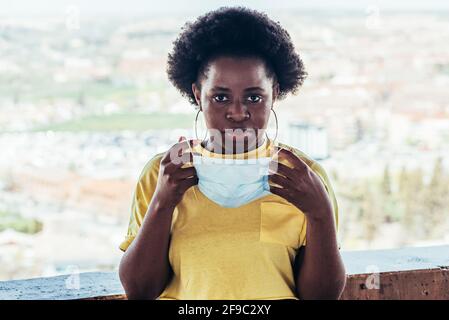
(255, 98)
(220, 98)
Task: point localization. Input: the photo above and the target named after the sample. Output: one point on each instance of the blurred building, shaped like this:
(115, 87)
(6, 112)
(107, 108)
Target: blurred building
(311, 139)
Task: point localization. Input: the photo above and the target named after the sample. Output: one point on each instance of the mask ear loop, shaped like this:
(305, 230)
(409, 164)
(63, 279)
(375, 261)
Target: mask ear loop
(275, 136)
(190, 147)
(194, 153)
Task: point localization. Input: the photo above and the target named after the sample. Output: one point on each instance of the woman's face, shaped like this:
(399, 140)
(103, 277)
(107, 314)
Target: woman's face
(236, 96)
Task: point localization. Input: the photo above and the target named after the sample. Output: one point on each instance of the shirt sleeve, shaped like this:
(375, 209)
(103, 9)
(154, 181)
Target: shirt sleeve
(143, 193)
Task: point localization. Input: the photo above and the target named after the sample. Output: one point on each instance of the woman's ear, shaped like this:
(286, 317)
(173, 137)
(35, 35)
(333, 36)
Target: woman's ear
(197, 94)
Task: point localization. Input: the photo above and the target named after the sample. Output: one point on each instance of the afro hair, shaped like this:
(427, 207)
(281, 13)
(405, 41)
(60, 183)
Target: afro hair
(235, 31)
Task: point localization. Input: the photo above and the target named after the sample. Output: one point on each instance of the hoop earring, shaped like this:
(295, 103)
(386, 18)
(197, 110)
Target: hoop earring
(277, 127)
(196, 131)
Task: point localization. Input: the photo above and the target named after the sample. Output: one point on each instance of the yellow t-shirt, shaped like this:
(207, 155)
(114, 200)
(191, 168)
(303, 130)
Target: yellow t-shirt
(229, 253)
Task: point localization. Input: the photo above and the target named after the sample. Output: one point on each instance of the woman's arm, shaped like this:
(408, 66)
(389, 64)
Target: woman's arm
(145, 268)
(319, 269)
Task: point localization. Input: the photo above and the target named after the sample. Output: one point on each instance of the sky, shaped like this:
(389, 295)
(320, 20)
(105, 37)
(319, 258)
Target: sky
(20, 8)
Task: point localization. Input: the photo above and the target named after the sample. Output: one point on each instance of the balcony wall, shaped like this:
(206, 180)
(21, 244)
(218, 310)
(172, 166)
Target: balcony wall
(409, 273)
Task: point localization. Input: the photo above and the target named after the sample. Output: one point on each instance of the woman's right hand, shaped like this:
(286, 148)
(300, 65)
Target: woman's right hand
(174, 180)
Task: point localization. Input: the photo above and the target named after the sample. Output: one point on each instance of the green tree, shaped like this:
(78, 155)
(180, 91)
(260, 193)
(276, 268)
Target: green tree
(386, 181)
(410, 196)
(372, 215)
(435, 202)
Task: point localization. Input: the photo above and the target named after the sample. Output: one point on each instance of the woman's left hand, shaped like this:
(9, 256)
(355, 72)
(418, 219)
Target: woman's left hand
(300, 186)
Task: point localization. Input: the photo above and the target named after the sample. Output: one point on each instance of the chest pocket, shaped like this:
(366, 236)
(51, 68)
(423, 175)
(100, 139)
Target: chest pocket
(281, 223)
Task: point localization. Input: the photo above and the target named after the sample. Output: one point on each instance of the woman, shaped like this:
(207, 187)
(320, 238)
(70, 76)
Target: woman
(233, 64)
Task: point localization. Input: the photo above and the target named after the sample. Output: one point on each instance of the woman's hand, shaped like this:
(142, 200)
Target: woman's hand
(173, 179)
(300, 186)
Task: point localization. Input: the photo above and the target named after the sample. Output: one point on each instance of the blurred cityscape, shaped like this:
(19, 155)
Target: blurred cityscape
(85, 103)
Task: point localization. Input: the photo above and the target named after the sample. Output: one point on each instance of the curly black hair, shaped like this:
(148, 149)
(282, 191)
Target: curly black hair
(235, 31)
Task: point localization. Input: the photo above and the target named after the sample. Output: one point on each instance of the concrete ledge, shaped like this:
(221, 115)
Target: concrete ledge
(413, 258)
(74, 286)
(430, 284)
(409, 273)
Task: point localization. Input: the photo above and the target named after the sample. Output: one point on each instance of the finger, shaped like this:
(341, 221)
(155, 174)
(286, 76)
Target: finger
(186, 158)
(280, 168)
(184, 173)
(291, 157)
(281, 181)
(284, 193)
(183, 162)
(192, 143)
(171, 168)
(176, 152)
(187, 183)
(179, 148)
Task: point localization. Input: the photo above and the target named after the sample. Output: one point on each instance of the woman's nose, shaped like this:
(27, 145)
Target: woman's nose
(237, 112)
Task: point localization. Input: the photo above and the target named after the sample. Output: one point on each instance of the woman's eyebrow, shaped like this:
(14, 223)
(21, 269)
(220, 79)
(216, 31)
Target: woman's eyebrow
(254, 88)
(218, 88)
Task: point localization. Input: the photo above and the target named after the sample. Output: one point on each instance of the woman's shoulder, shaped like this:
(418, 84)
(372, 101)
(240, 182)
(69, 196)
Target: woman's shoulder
(151, 168)
(299, 153)
(312, 163)
(320, 171)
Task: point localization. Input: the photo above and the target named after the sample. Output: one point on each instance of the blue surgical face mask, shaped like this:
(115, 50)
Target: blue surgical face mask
(232, 183)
